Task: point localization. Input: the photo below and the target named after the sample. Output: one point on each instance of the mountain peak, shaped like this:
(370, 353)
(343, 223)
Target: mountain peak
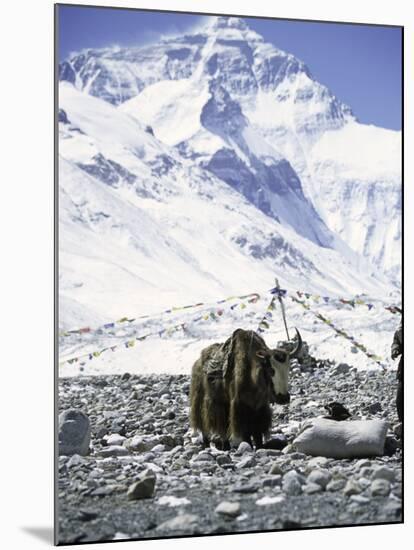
(224, 22)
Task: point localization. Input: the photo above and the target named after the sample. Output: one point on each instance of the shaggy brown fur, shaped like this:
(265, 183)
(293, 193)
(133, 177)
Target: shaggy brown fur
(237, 405)
(209, 411)
(250, 388)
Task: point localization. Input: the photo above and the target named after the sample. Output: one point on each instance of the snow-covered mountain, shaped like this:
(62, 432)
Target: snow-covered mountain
(203, 165)
(142, 227)
(257, 118)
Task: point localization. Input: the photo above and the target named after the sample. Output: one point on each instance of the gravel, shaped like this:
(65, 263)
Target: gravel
(143, 474)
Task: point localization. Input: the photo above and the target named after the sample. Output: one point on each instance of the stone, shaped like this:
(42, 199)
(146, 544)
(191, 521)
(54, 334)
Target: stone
(246, 462)
(74, 433)
(291, 484)
(317, 462)
(310, 488)
(322, 477)
(136, 443)
(380, 488)
(244, 447)
(226, 508)
(393, 508)
(273, 481)
(144, 487)
(87, 514)
(293, 474)
(204, 456)
(352, 488)
(75, 460)
(384, 472)
(366, 471)
(266, 500)
(180, 523)
(114, 439)
(275, 469)
(223, 459)
(297, 456)
(360, 499)
(364, 482)
(114, 450)
(160, 448)
(362, 463)
(246, 488)
(341, 368)
(375, 408)
(336, 485)
(398, 430)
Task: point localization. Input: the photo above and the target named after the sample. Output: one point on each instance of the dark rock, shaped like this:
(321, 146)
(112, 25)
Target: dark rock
(142, 488)
(290, 524)
(375, 408)
(87, 514)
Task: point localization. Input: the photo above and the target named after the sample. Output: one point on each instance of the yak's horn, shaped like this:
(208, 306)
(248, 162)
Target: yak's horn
(295, 352)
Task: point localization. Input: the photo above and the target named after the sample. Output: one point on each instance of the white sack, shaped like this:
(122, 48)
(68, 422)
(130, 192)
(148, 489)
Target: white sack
(348, 439)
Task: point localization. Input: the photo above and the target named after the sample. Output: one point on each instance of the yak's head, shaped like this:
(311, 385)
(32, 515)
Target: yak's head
(277, 365)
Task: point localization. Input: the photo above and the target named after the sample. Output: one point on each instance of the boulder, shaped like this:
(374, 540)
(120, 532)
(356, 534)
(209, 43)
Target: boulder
(74, 433)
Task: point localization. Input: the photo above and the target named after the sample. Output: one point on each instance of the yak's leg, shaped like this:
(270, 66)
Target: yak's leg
(206, 441)
(258, 440)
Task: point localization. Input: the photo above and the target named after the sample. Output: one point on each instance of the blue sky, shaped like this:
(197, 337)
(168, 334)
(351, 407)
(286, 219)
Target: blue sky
(361, 64)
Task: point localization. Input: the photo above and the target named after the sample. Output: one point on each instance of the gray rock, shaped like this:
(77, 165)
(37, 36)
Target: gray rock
(384, 472)
(364, 482)
(144, 487)
(223, 459)
(296, 455)
(103, 491)
(292, 487)
(75, 460)
(317, 462)
(362, 463)
(136, 443)
(246, 462)
(204, 456)
(114, 439)
(273, 481)
(360, 499)
(341, 368)
(311, 488)
(275, 469)
(244, 447)
(380, 488)
(336, 485)
(374, 408)
(352, 488)
(160, 448)
(292, 483)
(322, 477)
(366, 472)
(293, 474)
(393, 507)
(226, 508)
(181, 523)
(74, 433)
(246, 488)
(114, 450)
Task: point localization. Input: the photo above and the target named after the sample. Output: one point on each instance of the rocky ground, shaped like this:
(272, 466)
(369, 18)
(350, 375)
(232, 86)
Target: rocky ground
(146, 477)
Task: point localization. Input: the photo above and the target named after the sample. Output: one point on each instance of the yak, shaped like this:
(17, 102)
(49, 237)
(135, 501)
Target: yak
(233, 402)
